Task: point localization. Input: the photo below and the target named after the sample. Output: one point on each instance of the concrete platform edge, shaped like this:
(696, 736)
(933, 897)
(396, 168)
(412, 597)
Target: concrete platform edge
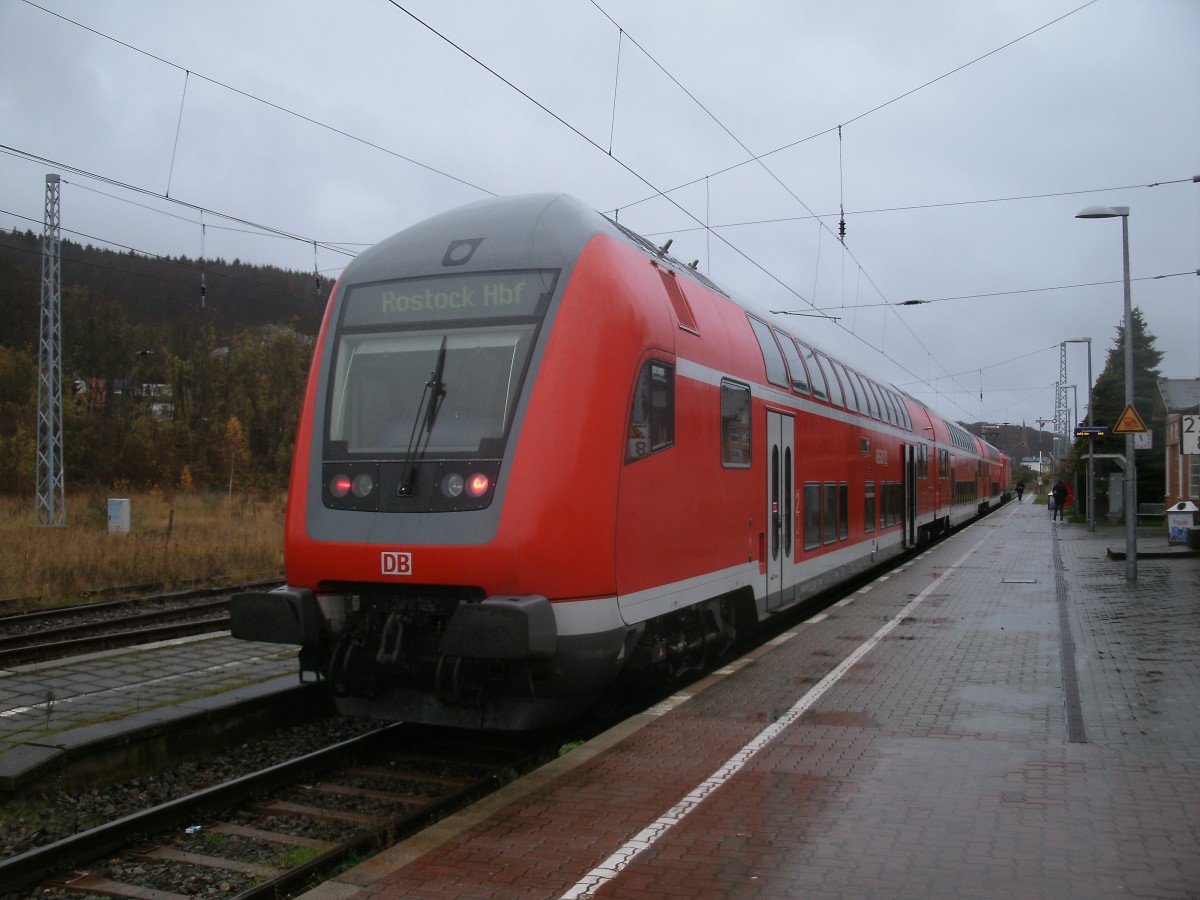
(57, 754)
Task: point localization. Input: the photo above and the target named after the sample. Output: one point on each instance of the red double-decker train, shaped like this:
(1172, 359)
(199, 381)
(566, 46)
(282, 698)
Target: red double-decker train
(537, 454)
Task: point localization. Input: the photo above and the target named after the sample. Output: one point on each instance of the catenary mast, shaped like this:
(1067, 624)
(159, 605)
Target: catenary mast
(51, 493)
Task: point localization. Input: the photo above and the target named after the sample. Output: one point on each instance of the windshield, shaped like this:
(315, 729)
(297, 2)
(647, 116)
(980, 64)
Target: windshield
(380, 380)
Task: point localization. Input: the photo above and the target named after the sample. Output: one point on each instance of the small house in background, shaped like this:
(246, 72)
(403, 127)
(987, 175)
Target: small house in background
(1177, 404)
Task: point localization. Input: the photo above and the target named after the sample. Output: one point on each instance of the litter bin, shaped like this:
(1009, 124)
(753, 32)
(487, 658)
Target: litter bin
(1181, 517)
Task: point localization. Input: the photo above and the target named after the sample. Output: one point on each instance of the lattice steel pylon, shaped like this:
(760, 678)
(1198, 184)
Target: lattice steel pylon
(1063, 427)
(51, 492)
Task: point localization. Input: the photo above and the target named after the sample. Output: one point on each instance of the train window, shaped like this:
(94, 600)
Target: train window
(885, 411)
(869, 507)
(861, 384)
(847, 384)
(776, 369)
(775, 532)
(812, 515)
(377, 395)
(902, 409)
(922, 460)
(889, 407)
(795, 364)
(890, 502)
(735, 425)
(679, 303)
(829, 514)
(789, 517)
(871, 404)
(814, 372)
(652, 418)
(835, 390)
(843, 510)
(877, 400)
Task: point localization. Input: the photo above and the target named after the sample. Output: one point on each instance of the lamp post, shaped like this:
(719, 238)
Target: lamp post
(1074, 389)
(1112, 212)
(1091, 467)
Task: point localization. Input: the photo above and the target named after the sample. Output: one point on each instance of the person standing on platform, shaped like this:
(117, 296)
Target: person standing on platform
(1059, 493)
(1020, 490)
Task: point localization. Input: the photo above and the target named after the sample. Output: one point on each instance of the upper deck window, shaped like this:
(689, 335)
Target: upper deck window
(835, 390)
(814, 372)
(848, 383)
(772, 357)
(795, 365)
(873, 398)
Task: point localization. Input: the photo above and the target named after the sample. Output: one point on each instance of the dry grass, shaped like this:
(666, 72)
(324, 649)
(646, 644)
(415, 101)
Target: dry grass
(172, 541)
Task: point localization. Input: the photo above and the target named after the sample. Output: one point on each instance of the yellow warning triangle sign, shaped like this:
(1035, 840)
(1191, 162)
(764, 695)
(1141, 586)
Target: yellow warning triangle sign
(1129, 422)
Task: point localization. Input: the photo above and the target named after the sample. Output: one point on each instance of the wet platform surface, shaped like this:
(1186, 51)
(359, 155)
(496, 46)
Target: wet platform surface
(52, 711)
(1005, 716)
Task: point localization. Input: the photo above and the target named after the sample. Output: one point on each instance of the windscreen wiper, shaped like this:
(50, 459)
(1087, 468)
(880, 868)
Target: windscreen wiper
(427, 410)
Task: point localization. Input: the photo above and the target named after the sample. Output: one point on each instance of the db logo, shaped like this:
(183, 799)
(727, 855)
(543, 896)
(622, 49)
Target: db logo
(395, 563)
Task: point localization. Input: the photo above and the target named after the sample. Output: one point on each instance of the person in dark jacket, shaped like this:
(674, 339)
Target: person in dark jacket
(1059, 493)
(1020, 490)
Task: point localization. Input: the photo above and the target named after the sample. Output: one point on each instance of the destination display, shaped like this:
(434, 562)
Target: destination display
(450, 298)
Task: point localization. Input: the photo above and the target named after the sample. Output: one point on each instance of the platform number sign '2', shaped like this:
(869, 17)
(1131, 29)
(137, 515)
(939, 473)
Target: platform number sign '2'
(1190, 435)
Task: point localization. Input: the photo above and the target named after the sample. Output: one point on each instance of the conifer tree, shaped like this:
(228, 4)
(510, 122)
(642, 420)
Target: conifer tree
(1108, 398)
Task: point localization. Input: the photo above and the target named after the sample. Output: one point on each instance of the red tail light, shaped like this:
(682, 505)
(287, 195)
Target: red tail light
(339, 485)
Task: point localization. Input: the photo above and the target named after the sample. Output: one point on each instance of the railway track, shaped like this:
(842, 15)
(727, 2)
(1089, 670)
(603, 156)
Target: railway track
(53, 633)
(271, 832)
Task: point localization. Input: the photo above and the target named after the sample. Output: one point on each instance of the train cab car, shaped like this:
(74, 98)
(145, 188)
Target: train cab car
(537, 454)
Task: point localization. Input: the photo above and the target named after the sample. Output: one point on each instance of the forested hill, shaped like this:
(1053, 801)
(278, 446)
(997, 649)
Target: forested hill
(160, 388)
(154, 290)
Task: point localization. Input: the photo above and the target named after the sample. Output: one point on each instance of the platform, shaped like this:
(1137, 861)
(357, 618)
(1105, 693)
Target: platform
(108, 708)
(1005, 716)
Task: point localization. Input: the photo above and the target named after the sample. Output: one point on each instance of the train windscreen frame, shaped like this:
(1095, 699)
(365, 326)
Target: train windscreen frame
(471, 334)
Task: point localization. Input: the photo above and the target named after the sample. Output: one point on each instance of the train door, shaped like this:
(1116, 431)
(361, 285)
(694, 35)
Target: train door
(911, 491)
(781, 520)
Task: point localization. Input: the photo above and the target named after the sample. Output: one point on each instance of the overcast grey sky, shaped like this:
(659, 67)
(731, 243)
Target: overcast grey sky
(971, 132)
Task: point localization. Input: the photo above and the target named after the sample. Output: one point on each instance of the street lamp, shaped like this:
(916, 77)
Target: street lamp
(1074, 389)
(1091, 469)
(1112, 212)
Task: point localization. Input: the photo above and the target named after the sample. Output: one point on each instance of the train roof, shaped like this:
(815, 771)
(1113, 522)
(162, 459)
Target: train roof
(547, 230)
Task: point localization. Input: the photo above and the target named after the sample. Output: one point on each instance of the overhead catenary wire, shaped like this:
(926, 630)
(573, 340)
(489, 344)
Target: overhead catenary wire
(873, 109)
(183, 263)
(781, 220)
(148, 192)
(257, 99)
(821, 224)
(616, 88)
(707, 224)
(178, 126)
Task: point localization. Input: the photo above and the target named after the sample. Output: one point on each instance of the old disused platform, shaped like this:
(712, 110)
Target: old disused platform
(1006, 716)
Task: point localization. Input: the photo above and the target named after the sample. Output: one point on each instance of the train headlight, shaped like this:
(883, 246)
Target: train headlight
(363, 485)
(478, 484)
(452, 485)
(339, 485)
